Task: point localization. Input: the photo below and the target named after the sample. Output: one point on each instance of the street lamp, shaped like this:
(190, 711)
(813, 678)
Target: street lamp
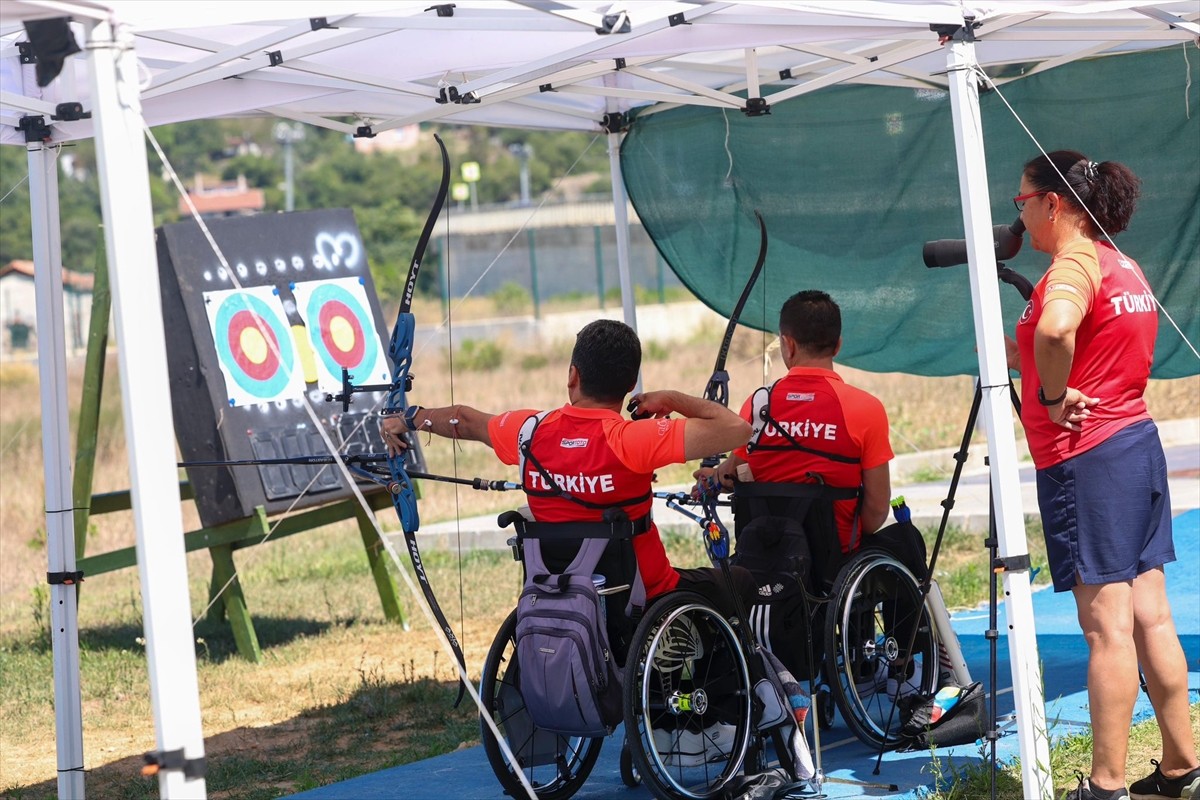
(470, 175)
(523, 151)
(287, 134)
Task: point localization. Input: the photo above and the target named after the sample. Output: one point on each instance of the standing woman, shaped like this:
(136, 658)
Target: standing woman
(1084, 347)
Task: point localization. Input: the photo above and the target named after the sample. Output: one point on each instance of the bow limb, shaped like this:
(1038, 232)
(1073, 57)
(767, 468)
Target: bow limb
(403, 497)
(717, 389)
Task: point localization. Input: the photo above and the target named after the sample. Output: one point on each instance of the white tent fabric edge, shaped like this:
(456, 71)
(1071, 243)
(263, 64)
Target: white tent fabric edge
(146, 377)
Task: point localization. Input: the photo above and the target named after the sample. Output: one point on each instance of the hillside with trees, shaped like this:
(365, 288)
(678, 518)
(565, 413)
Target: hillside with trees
(390, 192)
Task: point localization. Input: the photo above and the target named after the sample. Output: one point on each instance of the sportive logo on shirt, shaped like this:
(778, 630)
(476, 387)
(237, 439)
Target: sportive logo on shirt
(801, 397)
(573, 443)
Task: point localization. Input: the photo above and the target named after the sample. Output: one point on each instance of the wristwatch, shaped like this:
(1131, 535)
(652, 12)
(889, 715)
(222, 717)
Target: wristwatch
(1042, 397)
(410, 417)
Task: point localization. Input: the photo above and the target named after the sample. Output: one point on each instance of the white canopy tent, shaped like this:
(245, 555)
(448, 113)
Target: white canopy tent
(362, 67)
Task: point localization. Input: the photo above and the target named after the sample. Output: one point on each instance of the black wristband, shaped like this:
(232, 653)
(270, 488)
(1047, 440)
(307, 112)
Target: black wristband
(1042, 397)
(410, 417)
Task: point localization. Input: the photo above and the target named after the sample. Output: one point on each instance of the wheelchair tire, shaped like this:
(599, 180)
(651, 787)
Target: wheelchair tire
(687, 700)
(629, 774)
(875, 607)
(824, 705)
(556, 765)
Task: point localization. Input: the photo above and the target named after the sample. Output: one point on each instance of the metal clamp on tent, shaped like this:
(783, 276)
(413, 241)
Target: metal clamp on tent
(364, 132)
(320, 23)
(275, 57)
(443, 9)
(192, 768)
(1019, 563)
(64, 578)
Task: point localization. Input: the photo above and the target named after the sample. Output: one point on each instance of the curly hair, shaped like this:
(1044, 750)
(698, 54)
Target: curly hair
(1109, 190)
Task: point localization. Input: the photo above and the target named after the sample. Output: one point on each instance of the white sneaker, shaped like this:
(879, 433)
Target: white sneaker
(695, 748)
(903, 688)
(870, 686)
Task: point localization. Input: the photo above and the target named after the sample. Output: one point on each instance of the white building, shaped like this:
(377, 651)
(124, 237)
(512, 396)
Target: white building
(18, 310)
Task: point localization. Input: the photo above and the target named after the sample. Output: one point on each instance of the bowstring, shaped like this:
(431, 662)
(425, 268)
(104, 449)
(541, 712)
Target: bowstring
(454, 445)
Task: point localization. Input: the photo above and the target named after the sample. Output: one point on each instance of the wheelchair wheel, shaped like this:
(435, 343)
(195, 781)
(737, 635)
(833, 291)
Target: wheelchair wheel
(875, 608)
(687, 699)
(555, 765)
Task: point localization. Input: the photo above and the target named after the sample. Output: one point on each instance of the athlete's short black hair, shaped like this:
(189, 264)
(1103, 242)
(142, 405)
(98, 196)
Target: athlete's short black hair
(607, 356)
(813, 320)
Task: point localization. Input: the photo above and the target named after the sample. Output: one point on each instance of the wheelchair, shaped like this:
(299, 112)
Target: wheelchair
(687, 689)
(693, 719)
(871, 640)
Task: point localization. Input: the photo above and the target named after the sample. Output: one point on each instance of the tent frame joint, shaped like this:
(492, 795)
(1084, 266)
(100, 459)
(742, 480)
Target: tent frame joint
(35, 128)
(615, 122)
(756, 107)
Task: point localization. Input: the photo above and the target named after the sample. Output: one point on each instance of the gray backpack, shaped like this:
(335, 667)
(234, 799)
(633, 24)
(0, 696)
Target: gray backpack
(568, 675)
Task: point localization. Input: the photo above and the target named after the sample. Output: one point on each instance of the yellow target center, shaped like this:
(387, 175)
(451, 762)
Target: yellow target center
(342, 334)
(254, 345)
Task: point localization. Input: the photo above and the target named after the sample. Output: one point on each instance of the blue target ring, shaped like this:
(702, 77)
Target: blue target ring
(341, 331)
(253, 346)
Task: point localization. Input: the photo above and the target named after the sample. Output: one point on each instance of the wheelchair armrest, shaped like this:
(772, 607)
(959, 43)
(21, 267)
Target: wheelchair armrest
(509, 517)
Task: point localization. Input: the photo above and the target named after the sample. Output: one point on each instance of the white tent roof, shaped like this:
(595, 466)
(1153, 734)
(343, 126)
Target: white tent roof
(541, 63)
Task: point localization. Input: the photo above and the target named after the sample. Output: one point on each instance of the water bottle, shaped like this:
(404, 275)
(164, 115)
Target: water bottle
(901, 511)
(598, 581)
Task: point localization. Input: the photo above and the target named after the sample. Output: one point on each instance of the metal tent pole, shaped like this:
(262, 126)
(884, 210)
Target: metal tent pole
(56, 465)
(997, 414)
(149, 431)
(621, 217)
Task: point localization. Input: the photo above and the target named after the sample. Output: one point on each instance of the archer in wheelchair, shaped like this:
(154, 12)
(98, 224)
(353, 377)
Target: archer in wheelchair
(839, 594)
(552, 677)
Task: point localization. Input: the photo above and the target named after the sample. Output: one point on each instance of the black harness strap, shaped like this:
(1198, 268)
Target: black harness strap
(525, 440)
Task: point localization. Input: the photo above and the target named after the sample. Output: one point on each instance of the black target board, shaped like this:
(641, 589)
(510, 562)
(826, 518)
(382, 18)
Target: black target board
(252, 333)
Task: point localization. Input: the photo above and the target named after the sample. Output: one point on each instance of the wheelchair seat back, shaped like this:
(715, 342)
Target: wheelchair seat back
(786, 535)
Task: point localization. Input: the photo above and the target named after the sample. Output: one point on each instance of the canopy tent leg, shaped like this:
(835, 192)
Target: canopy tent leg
(56, 465)
(1033, 735)
(621, 217)
(145, 394)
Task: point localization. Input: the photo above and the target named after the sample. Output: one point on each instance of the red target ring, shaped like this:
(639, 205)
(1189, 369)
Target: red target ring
(253, 345)
(341, 333)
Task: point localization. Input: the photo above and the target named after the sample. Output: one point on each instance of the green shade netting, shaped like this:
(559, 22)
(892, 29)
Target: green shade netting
(853, 180)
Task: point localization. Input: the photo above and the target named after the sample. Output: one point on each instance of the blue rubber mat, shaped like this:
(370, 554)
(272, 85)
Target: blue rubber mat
(849, 765)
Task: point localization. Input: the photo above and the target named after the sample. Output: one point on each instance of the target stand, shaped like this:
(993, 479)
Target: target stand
(250, 338)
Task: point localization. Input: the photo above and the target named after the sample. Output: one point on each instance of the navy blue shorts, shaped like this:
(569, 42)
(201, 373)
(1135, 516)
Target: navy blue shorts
(1106, 513)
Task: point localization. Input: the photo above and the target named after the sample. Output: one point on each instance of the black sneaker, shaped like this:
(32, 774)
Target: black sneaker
(1084, 792)
(1156, 785)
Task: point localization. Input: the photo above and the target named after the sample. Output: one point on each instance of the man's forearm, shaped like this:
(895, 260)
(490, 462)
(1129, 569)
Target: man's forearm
(455, 422)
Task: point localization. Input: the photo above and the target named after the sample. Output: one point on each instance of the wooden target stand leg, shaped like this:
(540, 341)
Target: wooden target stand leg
(221, 540)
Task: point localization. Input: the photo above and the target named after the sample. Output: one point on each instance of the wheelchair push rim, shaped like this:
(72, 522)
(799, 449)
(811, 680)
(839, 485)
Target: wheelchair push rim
(688, 700)
(876, 606)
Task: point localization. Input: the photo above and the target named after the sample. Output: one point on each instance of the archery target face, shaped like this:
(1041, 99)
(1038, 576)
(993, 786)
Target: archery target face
(254, 345)
(341, 331)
